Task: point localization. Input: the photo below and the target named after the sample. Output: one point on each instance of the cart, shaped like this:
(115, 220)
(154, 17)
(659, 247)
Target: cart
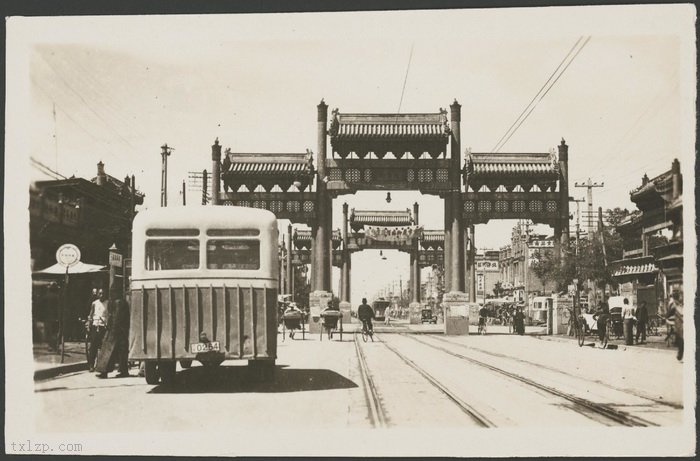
(332, 322)
(426, 315)
(293, 321)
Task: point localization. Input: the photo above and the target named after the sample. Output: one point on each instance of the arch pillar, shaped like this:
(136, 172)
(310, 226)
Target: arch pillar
(321, 230)
(345, 305)
(414, 308)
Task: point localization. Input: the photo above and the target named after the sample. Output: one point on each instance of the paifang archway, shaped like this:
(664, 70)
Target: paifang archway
(421, 152)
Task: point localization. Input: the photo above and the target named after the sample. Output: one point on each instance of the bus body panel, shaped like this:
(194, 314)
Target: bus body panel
(170, 309)
(166, 320)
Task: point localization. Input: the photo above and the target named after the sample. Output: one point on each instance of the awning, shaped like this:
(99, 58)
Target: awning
(79, 268)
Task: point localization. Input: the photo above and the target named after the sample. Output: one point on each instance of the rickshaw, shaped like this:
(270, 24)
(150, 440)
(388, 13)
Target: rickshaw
(332, 322)
(292, 321)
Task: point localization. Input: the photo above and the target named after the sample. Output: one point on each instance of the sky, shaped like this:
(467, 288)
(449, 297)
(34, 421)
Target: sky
(121, 87)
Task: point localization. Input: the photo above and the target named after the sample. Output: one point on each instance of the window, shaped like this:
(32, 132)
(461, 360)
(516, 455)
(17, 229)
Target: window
(172, 254)
(233, 232)
(233, 254)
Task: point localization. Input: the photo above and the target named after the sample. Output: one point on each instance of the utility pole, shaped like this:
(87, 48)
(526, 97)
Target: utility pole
(590, 185)
(578, 219)
(184, 199)
(165, 153)
(204, 187)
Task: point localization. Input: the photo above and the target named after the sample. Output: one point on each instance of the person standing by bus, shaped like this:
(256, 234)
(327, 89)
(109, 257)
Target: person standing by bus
(627, 321)
(675, 310)
(642, 318)
(97, 326)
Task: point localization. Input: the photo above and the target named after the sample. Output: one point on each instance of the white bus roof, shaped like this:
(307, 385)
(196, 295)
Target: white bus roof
(209, 216)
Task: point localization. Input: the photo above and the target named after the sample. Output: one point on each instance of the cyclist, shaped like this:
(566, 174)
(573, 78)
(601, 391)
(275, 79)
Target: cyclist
(483, 313)
(365, 313)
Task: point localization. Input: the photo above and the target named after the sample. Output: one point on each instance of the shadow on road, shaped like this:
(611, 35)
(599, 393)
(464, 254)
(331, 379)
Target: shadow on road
(237, 379)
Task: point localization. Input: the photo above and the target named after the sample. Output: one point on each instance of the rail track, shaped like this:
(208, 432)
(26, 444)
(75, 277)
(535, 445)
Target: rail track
(376, 413)
(581, 405)
(662, 402)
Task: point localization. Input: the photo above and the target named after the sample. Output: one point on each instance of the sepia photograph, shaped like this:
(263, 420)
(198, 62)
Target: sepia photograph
(441, 232)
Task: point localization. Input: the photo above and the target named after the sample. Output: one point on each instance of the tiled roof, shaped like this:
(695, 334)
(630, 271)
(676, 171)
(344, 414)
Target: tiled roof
(305, 235)
(632, 218)
(391, 126)
(661, 184)
(267, 164)
(433, 236)
(635, 266)
(381, 218)
(536, 164)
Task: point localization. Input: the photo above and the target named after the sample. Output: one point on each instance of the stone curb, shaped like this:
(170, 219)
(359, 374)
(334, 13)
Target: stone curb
(620, 347)
(52, 372)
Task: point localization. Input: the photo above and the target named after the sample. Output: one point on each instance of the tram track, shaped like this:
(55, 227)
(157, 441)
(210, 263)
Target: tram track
(581, 405)
(468, 409)
(375, 409)
(657, 401)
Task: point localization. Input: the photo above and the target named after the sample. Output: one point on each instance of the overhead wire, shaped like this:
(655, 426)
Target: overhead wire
(87, 105)
(405, 79)
(543, 95)
(537, 94)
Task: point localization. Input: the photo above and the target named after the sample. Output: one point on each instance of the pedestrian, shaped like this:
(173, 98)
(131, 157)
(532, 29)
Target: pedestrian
(97, 326)
(675, 308)
(642, 319)
(601, 317)
(115, 346)
(387, 316)
(627, 321)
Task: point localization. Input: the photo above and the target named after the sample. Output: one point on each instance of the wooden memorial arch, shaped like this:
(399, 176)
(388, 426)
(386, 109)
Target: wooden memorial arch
(387, 152)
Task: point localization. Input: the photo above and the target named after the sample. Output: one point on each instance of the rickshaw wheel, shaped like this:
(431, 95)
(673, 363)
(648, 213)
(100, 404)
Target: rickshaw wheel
(151, 372)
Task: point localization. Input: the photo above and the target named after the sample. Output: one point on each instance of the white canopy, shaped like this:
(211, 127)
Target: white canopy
(79, 268)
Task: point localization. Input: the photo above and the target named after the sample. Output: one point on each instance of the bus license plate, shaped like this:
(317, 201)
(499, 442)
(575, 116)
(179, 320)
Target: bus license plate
(205, 347)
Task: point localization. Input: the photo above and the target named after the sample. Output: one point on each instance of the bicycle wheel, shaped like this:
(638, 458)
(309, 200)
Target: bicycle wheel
(580, 334)
(364, 335)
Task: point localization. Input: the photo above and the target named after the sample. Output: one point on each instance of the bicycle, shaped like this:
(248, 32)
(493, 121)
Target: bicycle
(653, 326)
(579, 329)
(366, 332)
(482, 327)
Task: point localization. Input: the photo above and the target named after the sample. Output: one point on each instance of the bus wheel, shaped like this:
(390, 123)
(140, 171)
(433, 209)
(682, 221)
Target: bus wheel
(186, 363)
(167, 371)
(151, 372)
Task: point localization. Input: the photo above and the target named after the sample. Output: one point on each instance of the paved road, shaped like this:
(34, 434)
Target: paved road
(400, 380)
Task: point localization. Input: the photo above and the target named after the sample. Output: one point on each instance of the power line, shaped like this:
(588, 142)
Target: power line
(90, 108)
(543, 94)
(405, 79)
(536, 94)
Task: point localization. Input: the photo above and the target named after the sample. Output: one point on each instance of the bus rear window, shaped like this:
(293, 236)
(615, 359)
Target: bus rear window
(172, 254)
(233, 254)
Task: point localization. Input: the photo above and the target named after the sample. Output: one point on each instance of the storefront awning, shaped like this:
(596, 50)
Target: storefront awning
(79, 268)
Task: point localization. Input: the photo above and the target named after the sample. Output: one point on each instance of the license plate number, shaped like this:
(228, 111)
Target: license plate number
(205, 347)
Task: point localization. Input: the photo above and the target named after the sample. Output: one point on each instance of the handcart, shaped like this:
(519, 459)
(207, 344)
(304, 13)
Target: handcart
(293, 321)
(332, 322)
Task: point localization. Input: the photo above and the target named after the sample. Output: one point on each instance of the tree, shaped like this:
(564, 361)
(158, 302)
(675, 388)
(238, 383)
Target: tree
(548, 266)
(615, 216)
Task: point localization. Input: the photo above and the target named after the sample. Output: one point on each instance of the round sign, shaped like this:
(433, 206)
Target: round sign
(68, 255)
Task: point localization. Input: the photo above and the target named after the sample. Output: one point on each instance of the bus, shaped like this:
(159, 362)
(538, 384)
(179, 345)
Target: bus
(203, 287)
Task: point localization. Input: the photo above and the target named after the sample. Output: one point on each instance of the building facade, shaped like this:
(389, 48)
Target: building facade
(91, 214)
(651, 268)
(516, 260)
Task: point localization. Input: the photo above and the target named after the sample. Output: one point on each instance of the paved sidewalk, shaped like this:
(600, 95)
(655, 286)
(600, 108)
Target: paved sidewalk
(47, 363)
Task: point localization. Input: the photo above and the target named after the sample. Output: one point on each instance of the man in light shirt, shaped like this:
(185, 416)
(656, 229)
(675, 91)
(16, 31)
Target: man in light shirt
(627, 321)
(97, 325)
